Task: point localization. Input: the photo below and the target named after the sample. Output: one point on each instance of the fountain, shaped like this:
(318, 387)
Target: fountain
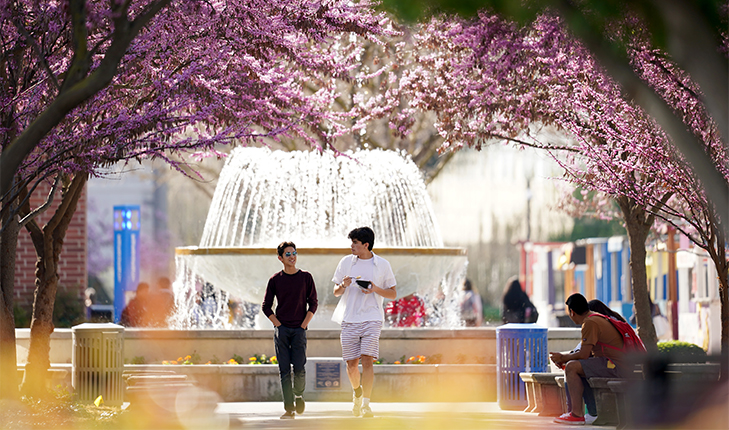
(314, 199)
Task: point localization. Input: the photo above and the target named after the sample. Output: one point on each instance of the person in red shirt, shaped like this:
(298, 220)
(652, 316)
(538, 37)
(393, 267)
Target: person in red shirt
(295, 294)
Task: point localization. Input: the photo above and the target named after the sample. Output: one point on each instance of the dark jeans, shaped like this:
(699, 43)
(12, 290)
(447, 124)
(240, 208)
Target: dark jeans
(291, 351)
(587, 395)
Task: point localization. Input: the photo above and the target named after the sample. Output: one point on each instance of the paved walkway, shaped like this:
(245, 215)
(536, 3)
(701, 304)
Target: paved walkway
(395, 416)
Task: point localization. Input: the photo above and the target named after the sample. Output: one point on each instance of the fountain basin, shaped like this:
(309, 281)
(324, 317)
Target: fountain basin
(244, 271)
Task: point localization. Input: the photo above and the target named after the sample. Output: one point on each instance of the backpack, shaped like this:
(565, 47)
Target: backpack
(631, 341)
(531, 315)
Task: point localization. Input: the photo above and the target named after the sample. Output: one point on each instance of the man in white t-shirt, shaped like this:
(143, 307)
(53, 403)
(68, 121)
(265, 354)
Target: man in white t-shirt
(361, 312)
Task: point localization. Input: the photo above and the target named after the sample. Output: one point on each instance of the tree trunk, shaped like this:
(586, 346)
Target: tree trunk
(8, 361)
(638, 223)
(48, 244)
(717, 251)
(722, 267)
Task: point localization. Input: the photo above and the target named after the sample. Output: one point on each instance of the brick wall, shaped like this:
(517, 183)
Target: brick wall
(72, 263)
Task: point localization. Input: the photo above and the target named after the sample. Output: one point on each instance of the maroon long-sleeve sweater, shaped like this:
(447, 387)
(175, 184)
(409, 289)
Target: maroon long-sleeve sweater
(295, 295)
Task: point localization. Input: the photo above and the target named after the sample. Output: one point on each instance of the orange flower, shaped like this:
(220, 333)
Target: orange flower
(398, 362)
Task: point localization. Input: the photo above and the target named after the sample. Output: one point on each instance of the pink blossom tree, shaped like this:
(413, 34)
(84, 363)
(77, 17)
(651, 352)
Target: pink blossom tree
(488, 78)
(693, 34)
(87, 84)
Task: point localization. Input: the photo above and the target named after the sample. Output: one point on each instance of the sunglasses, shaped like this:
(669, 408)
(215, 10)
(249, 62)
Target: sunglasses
(289, 254)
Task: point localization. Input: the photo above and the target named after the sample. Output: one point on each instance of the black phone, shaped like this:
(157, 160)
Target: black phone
(365, 285)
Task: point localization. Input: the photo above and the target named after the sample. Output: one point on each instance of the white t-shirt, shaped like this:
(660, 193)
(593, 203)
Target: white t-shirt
(354, 305)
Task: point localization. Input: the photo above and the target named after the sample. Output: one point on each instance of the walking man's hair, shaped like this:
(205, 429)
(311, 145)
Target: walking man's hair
(364, 235)
(284, 245)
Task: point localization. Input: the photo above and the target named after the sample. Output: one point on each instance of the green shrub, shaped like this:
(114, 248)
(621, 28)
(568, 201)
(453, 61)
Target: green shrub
(139, 359)
(68, 310)
(491, 314)
(682, 351)
(22, 317)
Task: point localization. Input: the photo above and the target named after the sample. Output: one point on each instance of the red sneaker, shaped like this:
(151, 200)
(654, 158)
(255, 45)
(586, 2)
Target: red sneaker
(570, 419)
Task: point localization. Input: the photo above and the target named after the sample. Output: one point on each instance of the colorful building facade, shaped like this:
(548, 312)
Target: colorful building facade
(681, 280)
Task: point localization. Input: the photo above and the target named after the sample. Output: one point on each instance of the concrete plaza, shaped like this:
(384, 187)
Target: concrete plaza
(395, 416)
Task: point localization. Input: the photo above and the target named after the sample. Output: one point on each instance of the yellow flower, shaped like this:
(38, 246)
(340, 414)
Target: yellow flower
(187, 357)
(208, 363)
(252, 359)
(165, 362)
(231, 361)
(397, 362)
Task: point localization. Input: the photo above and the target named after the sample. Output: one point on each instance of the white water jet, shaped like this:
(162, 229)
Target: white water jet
(265, 197)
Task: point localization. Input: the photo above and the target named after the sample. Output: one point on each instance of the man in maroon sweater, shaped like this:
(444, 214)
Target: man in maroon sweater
(295, 295)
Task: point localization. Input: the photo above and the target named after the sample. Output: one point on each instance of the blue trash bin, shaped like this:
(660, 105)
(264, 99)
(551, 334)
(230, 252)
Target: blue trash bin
(519, 348)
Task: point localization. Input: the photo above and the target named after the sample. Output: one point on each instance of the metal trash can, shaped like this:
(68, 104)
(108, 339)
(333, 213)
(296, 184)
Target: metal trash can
(519, 348)
(98, 362)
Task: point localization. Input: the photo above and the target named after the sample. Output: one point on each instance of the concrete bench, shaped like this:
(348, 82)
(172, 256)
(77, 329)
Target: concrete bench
(156, 380)
(605, 400)
(620, 388)
(708, 372)
(670, 388)
(543, 393)
(562, 392)
(162, 387)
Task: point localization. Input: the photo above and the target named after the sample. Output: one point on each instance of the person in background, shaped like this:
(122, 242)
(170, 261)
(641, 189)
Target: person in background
(515, 304)
(471, 305)
(663, 328)
(89, 300)
(136, 312)
(161, 303)
(295, 294)
(598, 306)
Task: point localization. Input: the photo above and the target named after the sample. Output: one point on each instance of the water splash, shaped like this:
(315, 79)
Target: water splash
(313, 199)
(316, 199)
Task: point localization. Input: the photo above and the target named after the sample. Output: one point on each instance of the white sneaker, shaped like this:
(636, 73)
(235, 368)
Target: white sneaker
(357, 409)
(589, 419)
(367, 412)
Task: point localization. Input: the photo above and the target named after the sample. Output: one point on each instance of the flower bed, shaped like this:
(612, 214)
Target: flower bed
(194, 358)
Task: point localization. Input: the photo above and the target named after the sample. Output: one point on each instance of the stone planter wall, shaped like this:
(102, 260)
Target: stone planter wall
(474, 345)
(393, 383)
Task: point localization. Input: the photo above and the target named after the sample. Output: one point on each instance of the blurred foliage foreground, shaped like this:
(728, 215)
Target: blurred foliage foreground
(58, 411)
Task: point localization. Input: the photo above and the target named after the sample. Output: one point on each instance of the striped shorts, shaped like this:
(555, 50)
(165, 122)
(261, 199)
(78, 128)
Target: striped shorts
(360, 338)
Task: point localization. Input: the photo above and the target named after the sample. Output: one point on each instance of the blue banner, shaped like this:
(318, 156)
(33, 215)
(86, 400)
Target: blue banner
(127, 221)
